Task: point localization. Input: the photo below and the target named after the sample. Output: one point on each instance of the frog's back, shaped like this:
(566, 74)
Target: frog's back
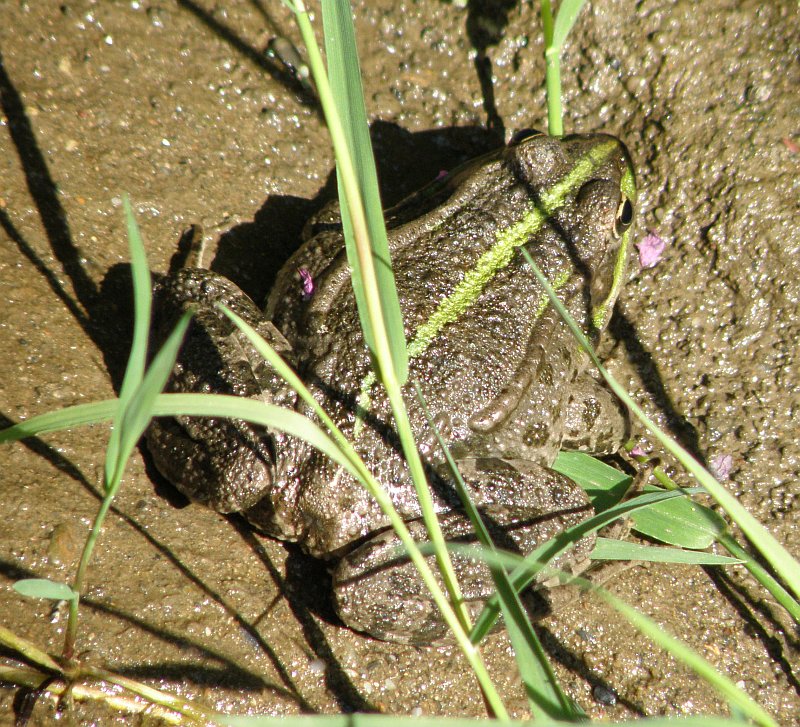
(473, 315)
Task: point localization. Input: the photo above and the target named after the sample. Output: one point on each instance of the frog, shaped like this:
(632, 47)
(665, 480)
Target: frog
(504, 384)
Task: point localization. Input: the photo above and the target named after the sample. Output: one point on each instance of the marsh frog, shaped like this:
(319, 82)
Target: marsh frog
(505, 383)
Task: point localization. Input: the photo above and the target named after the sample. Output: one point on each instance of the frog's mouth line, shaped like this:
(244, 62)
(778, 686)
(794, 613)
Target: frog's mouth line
(499, 256)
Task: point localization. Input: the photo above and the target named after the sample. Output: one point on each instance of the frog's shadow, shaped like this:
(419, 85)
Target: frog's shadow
(252, 253)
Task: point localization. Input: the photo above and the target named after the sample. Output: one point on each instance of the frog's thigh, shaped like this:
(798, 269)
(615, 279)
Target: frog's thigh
(595, 420)
(378, 590)
(225, 464)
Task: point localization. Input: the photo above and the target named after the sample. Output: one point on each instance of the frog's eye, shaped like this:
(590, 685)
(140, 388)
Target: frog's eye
(523, 135)
(624, 216)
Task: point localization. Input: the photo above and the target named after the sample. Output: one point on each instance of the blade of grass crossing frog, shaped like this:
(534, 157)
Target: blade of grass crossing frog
(345, 77)
(544, 693)
(251, 410)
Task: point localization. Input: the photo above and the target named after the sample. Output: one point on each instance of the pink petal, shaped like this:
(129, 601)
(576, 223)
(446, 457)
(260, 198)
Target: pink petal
(307, 283)
(650, 250)
(721, 466)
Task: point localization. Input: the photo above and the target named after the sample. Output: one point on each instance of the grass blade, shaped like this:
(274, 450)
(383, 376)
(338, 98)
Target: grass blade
(345, 78)
(568, 11)
(683, 523)
(383, 361)
(137, 360)
(605, 485)
(610, 549)
(29, 650)
(137, 412)
(54, 421)
(44, 588)
(545, 696)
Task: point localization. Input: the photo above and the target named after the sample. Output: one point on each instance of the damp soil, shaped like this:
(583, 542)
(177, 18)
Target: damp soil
(174, 103)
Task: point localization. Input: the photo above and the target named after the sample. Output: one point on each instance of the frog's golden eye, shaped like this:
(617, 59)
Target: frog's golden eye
(624, 216)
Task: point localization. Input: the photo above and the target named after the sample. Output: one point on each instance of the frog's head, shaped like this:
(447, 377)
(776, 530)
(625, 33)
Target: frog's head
(584, 185)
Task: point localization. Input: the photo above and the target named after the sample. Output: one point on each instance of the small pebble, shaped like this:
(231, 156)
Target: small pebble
(604, 695)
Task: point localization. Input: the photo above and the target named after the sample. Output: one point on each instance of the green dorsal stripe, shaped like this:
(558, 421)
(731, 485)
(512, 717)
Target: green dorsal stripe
(499, 255)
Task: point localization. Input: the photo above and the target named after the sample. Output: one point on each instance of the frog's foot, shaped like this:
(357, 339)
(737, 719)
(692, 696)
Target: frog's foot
(595, 420)
(378, 590)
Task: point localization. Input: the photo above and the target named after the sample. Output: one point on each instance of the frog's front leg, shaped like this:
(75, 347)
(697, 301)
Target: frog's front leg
(378, 589)
(595, 421)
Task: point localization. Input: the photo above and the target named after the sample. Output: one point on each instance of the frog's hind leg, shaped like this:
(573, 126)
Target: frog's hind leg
(378, 589)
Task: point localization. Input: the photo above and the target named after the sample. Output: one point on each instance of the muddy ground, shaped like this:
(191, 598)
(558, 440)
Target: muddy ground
(174, 103)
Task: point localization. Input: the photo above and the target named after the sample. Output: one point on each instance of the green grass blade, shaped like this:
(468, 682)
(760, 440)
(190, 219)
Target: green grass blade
(610, 549)
(345, 79)
(683, 523)
(778, 557)
(554, 36)
(142, 303)
(763, 576)
(605, 485)
(44, 588)
(137, 412)
(545, 696)
(29, 650)
(53, 421)
(383, 358)
(251, 410)
(137, 360)
(568, 11)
